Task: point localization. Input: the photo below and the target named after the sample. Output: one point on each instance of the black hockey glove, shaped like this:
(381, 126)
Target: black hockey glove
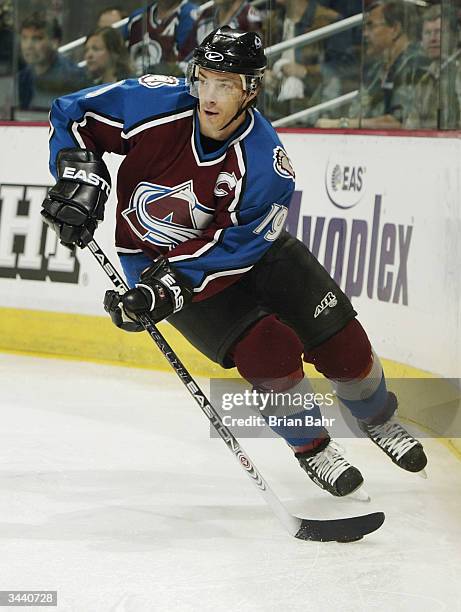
(112, 305)
(159, 294)
(75, 205)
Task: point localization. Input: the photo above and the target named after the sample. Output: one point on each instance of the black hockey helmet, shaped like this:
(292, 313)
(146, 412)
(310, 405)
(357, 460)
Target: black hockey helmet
(230, 50)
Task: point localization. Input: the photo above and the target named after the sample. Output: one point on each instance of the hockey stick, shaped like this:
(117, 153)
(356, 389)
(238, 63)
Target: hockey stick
(341, 530)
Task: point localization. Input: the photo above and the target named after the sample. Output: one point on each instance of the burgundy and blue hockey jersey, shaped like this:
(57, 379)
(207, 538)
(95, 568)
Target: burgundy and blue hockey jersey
(246, 17)
(214, 215)
(152, 40)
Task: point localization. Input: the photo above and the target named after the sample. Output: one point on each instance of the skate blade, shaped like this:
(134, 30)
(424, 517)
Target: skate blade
(422, 474)
(360, 494)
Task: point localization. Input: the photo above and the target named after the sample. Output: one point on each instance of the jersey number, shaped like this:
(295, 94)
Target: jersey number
(276, 218)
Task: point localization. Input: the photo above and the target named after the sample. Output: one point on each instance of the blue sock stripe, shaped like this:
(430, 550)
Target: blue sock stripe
(301, 432)
(370, 406)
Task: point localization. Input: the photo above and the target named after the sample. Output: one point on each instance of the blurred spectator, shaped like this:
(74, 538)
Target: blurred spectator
(106, 55)
(396, 65)
(7, 53)
(235, 13)
(428, 102)
(6, 37)
(47, 74)
(345, 8)
(157, 36)
(343, 51)
(110, 15)
(296, 78)
(49, 9)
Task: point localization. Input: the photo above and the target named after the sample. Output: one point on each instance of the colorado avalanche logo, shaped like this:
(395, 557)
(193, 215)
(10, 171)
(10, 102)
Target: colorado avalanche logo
(166, 216)
(282, 164)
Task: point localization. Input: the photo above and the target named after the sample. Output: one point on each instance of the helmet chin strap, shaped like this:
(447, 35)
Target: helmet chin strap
(242, 109)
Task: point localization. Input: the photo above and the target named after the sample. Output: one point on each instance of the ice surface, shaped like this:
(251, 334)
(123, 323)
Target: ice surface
(113, 494)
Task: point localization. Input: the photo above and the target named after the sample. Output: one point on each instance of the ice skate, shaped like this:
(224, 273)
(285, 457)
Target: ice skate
(404, 450)
(326, 466)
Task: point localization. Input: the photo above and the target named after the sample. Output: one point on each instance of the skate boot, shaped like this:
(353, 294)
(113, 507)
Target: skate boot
(329, 470)
(404, 450)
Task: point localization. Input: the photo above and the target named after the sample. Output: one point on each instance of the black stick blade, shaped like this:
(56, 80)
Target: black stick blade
(340, 530)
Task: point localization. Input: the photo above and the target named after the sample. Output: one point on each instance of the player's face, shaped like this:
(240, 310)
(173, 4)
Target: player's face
(221, 95)
(96, 55)
(431, 38)
(36, 46)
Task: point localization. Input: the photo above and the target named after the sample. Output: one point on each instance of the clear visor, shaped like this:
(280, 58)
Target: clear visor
(249, 82)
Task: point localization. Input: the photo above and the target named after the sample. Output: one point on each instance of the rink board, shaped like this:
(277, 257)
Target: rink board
(382, 214)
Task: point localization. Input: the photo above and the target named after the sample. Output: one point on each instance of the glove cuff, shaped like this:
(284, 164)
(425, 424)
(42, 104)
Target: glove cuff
(160, 272)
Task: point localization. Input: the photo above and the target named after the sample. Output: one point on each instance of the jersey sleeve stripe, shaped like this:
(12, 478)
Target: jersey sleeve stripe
(215, 275)
(101, 118)
(77, 125)
(217, 238)
(125, 251)
(74, 126)
(159, 120)
(51, 130)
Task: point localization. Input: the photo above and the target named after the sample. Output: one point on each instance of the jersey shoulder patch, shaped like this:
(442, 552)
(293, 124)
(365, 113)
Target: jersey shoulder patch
(282, 164)
(268, 151)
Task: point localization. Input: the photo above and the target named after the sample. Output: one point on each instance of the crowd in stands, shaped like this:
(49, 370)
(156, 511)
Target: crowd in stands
(401, 84)
(402, 59)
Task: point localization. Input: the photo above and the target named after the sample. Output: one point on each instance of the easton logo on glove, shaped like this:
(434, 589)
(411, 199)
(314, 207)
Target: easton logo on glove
(87, 177)
(75, 205)
(160, 293)
(175, 291)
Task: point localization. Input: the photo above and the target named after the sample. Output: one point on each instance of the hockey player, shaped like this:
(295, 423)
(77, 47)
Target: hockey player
(203, 194)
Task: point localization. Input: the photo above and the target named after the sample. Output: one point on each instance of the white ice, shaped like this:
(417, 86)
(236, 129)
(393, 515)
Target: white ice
(113, 494)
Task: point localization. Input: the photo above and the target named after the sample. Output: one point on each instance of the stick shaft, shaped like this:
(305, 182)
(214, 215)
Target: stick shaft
(291, 523)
